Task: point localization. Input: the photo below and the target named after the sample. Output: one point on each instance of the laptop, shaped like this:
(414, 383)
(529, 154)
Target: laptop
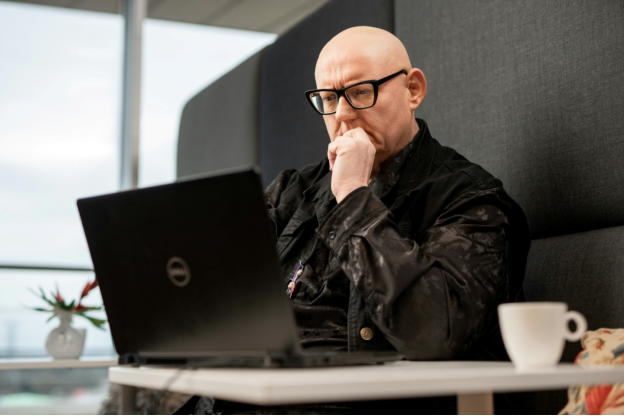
(189, 276)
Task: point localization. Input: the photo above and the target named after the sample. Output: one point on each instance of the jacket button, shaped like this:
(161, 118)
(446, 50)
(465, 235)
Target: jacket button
(366, 333)
(332, 235)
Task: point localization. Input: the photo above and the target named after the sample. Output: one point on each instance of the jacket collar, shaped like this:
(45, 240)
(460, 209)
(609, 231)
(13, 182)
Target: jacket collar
(417, 166)
(390, 171)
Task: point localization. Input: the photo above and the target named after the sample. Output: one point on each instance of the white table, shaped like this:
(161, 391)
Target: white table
(45, 363)
(49, 363)
(472, 382)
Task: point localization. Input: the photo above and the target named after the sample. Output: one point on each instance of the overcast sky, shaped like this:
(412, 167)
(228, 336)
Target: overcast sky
(60, 85)
(60, 89)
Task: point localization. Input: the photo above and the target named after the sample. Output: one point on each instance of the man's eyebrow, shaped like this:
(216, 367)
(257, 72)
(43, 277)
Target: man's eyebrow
(349, 81)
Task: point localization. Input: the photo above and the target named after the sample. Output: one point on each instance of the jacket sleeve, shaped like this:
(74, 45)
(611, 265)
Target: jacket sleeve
(279, 215)
(432, 300)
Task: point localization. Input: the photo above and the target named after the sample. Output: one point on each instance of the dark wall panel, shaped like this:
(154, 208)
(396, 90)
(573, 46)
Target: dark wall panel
(292, 135)
(534, 92)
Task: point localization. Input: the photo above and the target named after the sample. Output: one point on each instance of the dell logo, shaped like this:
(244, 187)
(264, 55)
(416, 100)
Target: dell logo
(178, 271)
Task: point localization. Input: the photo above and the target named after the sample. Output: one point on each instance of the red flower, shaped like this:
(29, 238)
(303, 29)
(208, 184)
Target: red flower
(79, 307)
(88, 288)
(58, 295)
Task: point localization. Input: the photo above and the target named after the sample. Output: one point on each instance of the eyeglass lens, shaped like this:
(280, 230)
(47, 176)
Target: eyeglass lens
(360, 96)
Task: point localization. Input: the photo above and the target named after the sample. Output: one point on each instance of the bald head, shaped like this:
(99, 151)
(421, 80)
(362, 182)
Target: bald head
(364, 47)
(363, 54)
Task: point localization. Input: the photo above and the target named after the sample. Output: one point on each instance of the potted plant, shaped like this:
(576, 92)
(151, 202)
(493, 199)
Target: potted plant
(65, 341)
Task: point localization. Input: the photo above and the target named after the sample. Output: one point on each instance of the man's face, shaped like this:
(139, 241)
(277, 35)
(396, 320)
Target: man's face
(389, 121)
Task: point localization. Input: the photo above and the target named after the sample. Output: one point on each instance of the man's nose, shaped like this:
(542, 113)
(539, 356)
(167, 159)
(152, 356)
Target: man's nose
(344, 111)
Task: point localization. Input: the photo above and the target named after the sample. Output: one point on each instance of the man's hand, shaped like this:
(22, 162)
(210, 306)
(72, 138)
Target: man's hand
(351, 158)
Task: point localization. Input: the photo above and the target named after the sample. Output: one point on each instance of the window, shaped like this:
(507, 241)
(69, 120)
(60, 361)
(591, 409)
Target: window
(59, 123)
(60, 97)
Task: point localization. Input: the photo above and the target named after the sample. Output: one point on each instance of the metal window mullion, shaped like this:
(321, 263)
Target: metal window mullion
(45, 268)
(134, 12)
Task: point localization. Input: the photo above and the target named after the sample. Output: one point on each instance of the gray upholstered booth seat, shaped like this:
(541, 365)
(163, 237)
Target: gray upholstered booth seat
(533, 91)
(219, 125)
(257, 113)
(585, 270)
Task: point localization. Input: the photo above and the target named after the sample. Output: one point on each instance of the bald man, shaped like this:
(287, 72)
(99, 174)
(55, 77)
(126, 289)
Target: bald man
(393, 241)
(404, 244)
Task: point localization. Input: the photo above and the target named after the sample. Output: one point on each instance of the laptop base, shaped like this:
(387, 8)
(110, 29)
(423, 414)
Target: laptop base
(305, 359)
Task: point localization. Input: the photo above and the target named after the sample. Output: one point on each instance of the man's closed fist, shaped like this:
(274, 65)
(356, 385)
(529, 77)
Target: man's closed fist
(351, 158)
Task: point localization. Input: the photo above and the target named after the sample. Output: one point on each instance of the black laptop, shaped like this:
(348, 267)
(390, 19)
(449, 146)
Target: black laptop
(189, 276)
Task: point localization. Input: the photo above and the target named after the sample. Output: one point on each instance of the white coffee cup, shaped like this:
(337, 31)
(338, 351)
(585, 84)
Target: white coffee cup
(534, 333)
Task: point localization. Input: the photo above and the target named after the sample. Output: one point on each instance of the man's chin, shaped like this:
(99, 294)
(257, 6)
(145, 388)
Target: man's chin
(378, 142)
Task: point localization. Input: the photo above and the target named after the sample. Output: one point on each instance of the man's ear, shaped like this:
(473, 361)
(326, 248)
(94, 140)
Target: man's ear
(417, 86)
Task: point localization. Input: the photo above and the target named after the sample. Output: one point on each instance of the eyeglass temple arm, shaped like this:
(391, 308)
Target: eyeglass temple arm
(389, 77)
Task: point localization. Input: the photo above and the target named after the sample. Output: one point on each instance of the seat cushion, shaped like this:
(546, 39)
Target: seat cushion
(603, 346)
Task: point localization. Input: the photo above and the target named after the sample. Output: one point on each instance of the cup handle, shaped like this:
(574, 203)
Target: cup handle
(581, 325)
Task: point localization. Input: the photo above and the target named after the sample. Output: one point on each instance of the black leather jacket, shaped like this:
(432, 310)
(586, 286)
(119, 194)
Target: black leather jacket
(427, 264)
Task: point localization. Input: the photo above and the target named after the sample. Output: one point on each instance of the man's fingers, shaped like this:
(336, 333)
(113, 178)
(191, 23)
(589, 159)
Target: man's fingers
(356, 133)
(331, 155)
(340, 144)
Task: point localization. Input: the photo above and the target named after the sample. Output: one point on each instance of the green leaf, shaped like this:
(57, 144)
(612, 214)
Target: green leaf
(89, 308)
(71, 305)
(95, 321)
(42, 293)
(50, 318)
(43, 296)
(62, 304)
(43, 310)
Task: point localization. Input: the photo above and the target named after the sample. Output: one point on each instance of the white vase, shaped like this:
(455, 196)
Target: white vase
(65, 341)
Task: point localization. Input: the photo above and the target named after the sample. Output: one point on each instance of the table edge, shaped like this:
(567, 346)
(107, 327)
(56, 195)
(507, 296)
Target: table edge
(263, 392)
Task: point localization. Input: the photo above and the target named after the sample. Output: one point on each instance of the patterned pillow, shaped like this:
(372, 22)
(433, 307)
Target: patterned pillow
(603, 346)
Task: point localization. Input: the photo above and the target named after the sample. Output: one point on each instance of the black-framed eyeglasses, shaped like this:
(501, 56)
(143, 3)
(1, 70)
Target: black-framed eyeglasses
(359, 96)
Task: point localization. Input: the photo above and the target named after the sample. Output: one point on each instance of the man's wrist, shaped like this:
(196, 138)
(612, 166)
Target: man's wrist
(342, 194)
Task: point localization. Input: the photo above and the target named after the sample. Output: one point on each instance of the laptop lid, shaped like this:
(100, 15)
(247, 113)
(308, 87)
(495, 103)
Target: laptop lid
(189, 269)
